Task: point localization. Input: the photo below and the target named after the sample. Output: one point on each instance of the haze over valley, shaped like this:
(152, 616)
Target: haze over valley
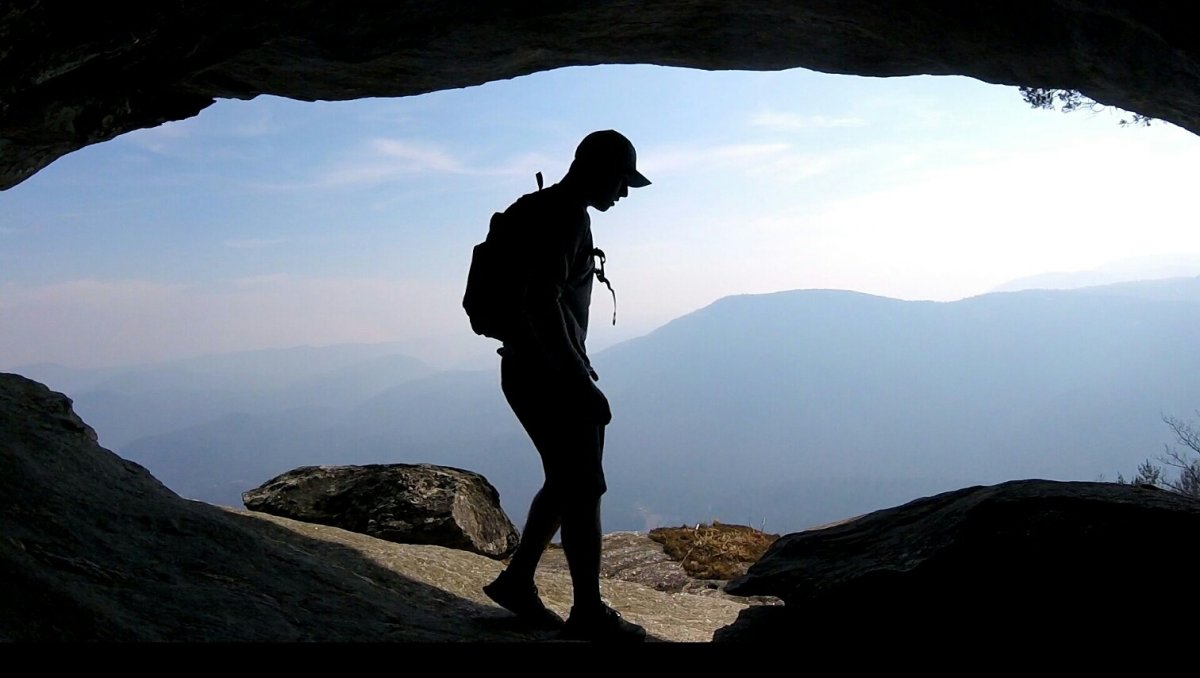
(781, 410)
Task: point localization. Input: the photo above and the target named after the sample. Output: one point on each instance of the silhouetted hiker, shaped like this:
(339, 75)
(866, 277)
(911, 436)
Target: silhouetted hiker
(550, 384)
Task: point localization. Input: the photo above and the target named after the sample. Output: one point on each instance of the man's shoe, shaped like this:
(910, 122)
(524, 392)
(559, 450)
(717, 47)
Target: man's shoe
(604, 624)
(522, 600)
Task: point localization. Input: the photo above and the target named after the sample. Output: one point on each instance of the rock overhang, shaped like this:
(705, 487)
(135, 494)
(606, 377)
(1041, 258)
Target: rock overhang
(72, 75)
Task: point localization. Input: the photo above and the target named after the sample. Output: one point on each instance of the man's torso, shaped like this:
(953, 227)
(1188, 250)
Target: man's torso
(556, 227)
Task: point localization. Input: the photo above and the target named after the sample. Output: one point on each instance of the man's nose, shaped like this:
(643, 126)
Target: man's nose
(624, 190)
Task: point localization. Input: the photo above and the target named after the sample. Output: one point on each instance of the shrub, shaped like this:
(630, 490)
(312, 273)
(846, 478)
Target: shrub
(716, 550)
(1069, 100)
(1185, 479)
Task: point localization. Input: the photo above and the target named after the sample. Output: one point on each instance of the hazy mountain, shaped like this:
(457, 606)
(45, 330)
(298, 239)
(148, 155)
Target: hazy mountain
(1155, 267)
(783, 410)
(451, 418)
(806, 406)
(125, 404)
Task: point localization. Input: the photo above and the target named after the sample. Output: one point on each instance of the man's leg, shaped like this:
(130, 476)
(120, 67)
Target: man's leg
(581, 540)
(514, 588)
(545, 514)
(590, 618)
(525, 390)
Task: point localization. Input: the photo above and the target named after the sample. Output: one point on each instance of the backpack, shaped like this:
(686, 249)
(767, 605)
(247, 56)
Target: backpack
(494, 290)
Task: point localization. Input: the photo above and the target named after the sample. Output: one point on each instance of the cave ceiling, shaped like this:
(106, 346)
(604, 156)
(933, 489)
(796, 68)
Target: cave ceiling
(74, 74)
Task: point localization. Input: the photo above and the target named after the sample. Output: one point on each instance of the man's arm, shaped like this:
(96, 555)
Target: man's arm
(551, 330)
(547, 318)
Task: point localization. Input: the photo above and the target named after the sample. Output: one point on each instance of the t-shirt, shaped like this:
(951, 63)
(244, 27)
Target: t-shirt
(555, 235)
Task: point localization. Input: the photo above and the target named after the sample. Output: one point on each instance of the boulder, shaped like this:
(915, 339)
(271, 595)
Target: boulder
(403, 503)
(1037, 555)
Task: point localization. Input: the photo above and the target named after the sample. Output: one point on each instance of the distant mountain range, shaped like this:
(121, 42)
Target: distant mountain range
(134, 402)
(1126, 270)
(781, 410)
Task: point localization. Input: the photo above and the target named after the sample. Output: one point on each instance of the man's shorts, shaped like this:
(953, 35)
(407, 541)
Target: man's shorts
(566, 435)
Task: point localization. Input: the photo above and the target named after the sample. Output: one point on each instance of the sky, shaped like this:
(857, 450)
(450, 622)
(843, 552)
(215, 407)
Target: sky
(273, 223)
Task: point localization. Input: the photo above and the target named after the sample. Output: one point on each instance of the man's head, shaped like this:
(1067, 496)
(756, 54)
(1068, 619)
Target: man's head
(606, 164)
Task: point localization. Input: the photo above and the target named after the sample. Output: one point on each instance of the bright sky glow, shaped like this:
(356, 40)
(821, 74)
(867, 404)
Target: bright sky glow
(274, 223)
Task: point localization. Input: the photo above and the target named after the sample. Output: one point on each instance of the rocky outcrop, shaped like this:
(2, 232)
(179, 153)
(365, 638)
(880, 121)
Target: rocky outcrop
(92, 547)
(404, 503)
(1038, 555)
(73, 74)
(637, 558)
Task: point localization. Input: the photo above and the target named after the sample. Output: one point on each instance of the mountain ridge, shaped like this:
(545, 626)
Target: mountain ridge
(1133, 269)
(801, 406)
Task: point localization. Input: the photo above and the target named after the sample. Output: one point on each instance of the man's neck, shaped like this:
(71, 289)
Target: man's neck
(572, 186)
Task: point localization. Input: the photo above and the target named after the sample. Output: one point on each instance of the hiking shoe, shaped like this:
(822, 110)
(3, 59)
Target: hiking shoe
(603, 625)
(522, 600)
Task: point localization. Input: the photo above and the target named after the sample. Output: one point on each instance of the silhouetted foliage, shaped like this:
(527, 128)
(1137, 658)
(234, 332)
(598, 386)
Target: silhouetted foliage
(1069, 100)
(1187, 471)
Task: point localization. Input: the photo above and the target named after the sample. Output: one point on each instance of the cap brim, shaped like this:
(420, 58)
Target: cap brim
(637, 180)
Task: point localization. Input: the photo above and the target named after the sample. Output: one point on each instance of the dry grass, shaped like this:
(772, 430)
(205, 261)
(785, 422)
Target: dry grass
(716, 551)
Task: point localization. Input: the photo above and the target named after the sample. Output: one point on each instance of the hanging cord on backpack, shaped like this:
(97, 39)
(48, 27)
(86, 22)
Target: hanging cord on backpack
(597, 252)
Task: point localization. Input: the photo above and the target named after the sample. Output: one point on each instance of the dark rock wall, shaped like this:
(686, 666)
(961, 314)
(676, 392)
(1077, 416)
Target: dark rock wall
(73, 74)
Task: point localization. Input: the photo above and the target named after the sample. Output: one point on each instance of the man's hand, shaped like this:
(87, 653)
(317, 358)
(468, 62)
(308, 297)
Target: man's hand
(596, 403)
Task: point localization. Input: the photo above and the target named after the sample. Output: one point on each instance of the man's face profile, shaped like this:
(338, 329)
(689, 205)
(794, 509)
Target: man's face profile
(607, 189)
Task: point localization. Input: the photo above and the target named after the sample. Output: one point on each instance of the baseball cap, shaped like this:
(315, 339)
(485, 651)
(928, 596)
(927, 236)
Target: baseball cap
(610, 149)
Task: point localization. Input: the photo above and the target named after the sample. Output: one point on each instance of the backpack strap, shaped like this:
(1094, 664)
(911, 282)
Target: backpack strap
(599, 253)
